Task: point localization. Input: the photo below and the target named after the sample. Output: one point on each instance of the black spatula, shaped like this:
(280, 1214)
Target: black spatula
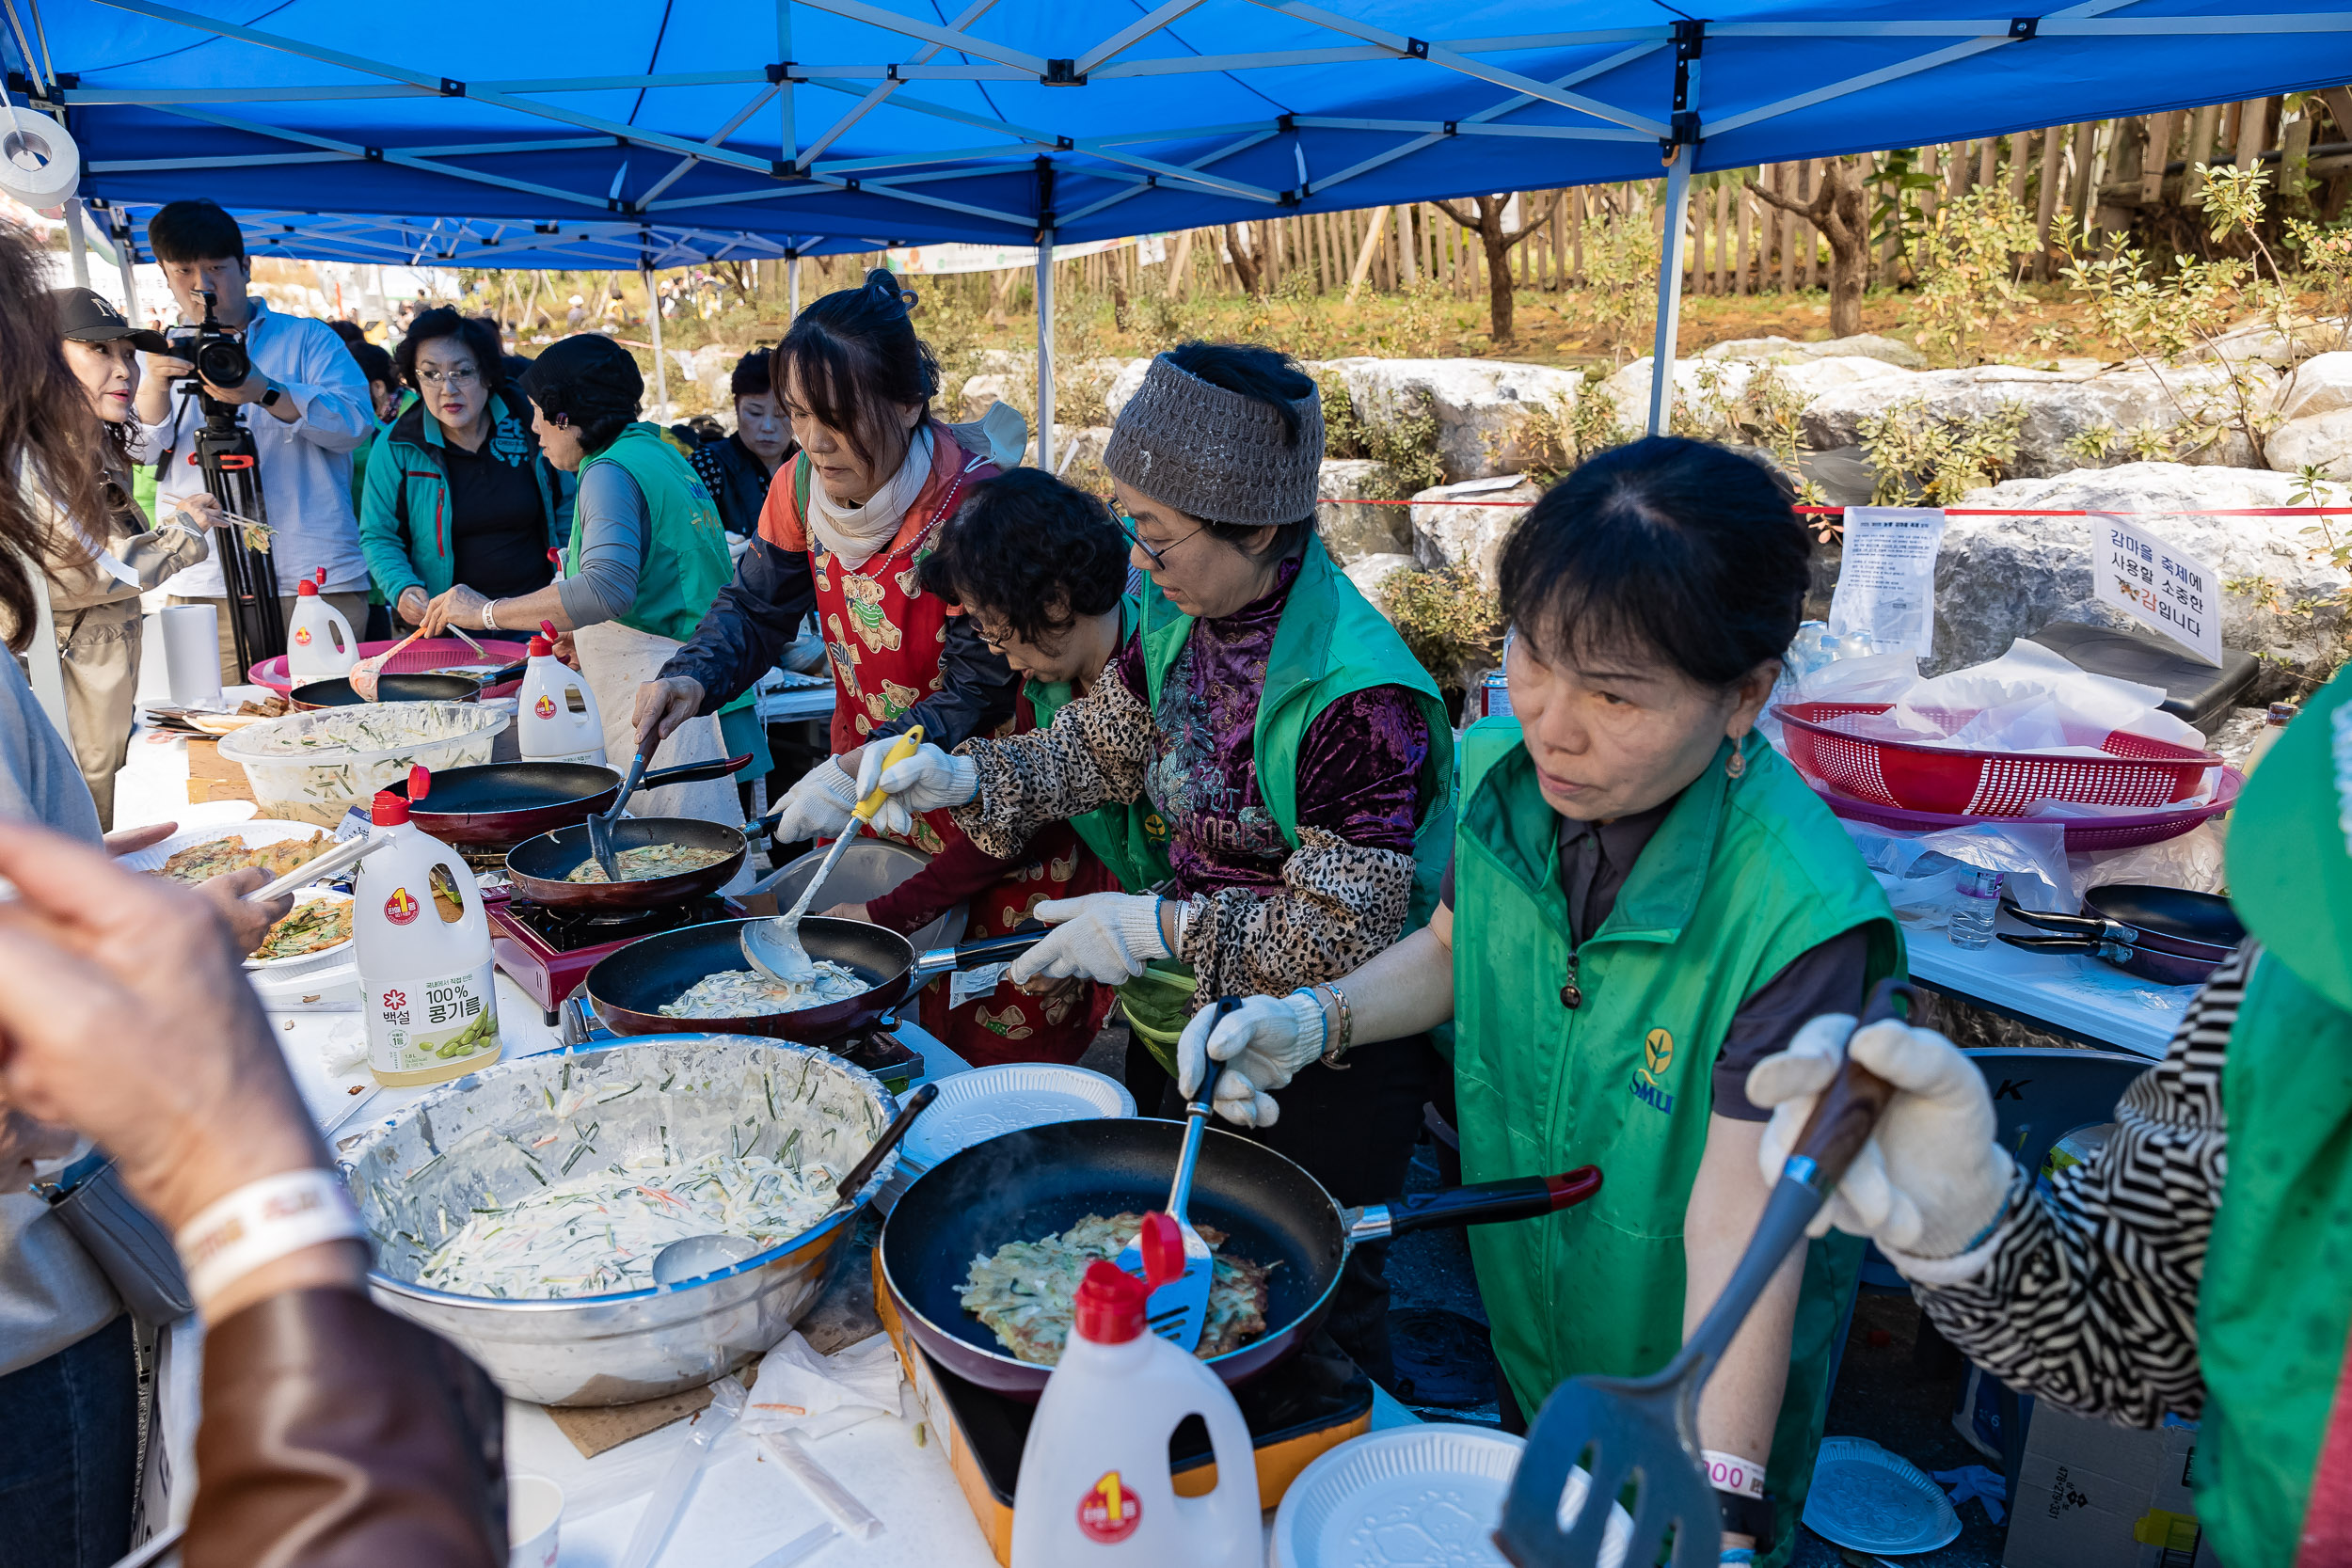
(1644, 1431)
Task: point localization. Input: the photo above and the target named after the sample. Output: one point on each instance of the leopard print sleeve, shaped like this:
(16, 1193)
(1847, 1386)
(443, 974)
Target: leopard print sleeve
(1339, 903)
(1096, 754)
(2087, 1295)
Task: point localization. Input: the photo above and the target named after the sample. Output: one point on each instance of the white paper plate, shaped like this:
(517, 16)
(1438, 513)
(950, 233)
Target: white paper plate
(1417, 1496)
(253, 835)
(304, 963)
(1872, 1501)
(989, 1101)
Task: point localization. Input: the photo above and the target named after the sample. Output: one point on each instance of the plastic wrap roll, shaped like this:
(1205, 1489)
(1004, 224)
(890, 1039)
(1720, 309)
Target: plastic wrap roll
(39, 165)
(191, 633)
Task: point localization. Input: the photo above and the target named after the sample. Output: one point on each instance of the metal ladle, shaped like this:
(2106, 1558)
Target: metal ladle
(772, 946)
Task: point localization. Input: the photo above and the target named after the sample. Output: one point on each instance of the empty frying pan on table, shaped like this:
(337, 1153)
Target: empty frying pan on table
(506, 803)
(629, 987)
(538, 866)
(2167, 935)
(421, 686)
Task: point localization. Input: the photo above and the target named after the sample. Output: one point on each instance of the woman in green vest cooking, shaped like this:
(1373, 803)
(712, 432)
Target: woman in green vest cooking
(2199, 1264)
(1288, 754)
(1644, 900)
(647, 554)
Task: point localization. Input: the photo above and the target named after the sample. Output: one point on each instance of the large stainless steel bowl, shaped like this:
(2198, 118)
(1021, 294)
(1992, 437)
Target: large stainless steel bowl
(506, 1129)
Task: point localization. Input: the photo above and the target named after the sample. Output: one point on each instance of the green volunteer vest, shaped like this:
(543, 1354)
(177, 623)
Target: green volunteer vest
(2272, 1316)
(1131, 838)
(1742, 877)
(1329, 643)
(686, 546)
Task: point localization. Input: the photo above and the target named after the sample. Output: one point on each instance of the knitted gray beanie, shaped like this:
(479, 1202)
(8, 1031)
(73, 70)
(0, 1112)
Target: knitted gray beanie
(1216, 454)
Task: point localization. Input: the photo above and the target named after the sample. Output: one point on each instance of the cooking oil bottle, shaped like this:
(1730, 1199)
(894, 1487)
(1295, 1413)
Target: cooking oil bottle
(320, 644)
(1095, 1489)
(422, 945)
(555, 715)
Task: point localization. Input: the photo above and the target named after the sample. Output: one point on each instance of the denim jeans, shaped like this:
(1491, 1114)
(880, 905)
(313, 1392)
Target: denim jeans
(68, 1445)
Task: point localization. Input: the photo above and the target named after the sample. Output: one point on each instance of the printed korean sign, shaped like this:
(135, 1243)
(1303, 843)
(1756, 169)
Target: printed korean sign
(2156, 584)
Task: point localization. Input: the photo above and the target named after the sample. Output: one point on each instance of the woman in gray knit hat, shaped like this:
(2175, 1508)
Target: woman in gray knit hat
(1286, 771)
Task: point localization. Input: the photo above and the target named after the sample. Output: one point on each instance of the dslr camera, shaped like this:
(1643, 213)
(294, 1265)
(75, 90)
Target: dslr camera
(218, 357)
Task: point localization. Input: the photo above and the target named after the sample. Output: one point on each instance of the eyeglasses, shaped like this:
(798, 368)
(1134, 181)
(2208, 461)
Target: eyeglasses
(1158, 557)
(464, 376)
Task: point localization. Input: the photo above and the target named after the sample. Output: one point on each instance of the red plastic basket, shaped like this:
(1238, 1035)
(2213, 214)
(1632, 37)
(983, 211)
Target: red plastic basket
(2084, 834)
(425, 654)
(2135, 772)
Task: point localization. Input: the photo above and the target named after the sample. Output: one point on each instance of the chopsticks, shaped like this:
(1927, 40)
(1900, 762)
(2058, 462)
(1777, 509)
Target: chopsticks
(349, 852)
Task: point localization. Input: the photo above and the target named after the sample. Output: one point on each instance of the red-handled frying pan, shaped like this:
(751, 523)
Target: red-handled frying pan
(1020, 1186)
(414, 686)
(502, 804)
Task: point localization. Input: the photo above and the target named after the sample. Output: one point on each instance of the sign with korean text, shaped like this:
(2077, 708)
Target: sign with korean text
(2156, 584)
(1886, 578)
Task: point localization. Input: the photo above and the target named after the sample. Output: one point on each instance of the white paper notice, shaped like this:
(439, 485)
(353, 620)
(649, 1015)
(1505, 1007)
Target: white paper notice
(1886, 578)
(2157, 585)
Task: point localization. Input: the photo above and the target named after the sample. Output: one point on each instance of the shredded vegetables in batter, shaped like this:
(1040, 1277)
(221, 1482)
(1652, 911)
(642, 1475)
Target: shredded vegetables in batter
(1026, 1292)
(598, 1233)
(749, 993)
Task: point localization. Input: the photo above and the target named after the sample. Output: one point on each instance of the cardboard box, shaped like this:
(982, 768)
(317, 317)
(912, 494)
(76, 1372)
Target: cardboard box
(2089, 1495)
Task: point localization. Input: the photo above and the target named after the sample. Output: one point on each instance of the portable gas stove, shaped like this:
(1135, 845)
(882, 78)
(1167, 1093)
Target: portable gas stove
(549, 952)
(1295, 1413)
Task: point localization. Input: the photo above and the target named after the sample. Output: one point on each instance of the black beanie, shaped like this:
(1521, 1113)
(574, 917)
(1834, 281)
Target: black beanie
(585, 377)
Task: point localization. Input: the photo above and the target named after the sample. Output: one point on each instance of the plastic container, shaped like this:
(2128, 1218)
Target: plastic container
(1979, 901)
(425, 990)
(555, 716)
(320, 644)
(1094, 1472)
(313, 766)
(2274, 725)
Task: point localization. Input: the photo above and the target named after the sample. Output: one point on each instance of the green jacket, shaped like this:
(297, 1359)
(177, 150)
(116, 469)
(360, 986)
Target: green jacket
(405, 523)
(686, 546)
(1742, 877)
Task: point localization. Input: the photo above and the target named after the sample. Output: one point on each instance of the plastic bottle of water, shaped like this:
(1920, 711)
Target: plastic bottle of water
(1979, 901)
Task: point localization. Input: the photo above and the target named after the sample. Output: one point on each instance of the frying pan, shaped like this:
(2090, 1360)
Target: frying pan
(2168, 935)
(628, 988)
(504, 802)
(1021, 1185)
(422, 685)
(537, 866)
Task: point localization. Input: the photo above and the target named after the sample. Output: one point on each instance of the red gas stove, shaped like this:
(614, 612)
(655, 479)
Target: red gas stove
(549, 952)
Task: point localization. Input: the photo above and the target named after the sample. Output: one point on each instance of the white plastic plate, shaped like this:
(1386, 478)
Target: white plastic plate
(1872, 1501)
(990, 1101)
(1417, 1496)
(305, 964)
(253, 835)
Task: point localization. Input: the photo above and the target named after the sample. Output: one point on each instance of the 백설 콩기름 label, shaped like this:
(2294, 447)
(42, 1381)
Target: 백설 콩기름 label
(419, 1024)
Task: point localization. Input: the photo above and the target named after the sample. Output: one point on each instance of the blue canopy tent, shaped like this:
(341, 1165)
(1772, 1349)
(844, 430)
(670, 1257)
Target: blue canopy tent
(1038, 121)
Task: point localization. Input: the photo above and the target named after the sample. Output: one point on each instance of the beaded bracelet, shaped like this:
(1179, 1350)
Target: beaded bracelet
(1335, 1048)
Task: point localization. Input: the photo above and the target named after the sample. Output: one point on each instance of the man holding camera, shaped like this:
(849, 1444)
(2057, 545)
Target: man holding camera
(304, 400)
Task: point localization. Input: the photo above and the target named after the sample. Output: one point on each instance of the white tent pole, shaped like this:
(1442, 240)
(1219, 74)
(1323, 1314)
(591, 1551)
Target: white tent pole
(129, 269)
(792, 286)
(1046, 349)
(1661, 365)
(660, 361)
(76, 248)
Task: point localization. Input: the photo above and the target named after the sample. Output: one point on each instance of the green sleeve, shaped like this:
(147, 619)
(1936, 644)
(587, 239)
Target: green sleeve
(379, 523)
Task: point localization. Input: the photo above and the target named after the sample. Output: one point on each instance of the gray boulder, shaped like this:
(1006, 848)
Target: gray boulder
(1352, 530)
(1077, 451)
(1787, 350)
(1125, 384)
(1370, 572)
(979, 392)
(1708, 388)
(1446, 531)
(2002, 578)
(2323, 441)
(2322, 385)
(1487, 411)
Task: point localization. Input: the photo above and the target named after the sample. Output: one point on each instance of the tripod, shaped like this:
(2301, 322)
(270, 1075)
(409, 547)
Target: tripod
(225, 455)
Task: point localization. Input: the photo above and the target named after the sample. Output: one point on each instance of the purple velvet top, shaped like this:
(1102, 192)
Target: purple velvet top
(1360, 761)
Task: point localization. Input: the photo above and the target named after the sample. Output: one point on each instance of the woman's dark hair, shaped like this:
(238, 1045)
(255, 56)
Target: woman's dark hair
(375, 363)
(1676, 547)
(444, 321)
(1264, 375)
(600, 431)
(751, 378)
(1032, 549)
(45, 424)
(194, 231)
(856, 354)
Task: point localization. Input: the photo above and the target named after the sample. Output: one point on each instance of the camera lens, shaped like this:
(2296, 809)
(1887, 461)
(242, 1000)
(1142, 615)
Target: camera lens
(223, 362)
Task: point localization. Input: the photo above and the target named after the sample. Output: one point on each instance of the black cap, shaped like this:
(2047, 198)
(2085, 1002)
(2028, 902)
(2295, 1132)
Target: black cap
(88, 316)
(585, 376)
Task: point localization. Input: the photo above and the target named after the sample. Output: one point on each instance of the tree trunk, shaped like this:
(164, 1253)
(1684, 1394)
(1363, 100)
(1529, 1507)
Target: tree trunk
(1178, 266)
(1244, 265)
(1841, 213)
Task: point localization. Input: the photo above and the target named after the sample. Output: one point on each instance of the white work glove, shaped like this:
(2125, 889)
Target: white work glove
(1930, 1178)
(1258, 1046)
(818, 806)
(1108, 937)
(925, 782)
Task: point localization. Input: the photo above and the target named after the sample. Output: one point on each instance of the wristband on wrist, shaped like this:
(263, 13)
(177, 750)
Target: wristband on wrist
(489, 615)
(1729, 1472)
(1336, 1047)
(261, 1222)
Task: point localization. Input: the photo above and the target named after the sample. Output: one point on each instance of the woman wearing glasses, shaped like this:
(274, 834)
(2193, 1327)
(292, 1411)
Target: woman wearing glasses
(846, 524)
(1293, 758)
(457, 490)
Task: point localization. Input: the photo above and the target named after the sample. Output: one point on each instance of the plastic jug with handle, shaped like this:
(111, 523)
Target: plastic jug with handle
(422, 943)
(1095, 1489)
(320, 644)
(555, 714)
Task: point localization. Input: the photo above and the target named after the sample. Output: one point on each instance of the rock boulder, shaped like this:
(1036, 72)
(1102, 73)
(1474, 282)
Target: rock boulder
(2000, 579)
(1125, 384)
(1454, 523)
(1787, 350)
(1370, 572)
(1707, 387)
(1351, 532)
(2323, 441)
(1485, 410)
(2323, 384)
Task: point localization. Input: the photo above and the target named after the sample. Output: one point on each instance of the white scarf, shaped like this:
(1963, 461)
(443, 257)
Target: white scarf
(856, 533)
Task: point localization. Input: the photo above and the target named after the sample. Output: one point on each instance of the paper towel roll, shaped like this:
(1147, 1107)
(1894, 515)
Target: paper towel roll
(39, 165)
(191, 635)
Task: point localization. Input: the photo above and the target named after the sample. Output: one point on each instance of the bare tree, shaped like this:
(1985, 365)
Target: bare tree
(1837, 209)
(1498, 243)
(1244, 265)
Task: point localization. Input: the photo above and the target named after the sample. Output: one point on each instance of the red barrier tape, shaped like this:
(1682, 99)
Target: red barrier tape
(1955, 511)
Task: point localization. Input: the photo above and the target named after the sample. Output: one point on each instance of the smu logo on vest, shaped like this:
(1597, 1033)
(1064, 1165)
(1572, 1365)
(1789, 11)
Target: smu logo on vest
(1658, 1053)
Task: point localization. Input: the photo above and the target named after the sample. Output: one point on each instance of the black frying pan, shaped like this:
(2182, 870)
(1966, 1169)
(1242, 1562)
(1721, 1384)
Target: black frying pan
(506, 802)
(2168, 935)
(628, 988)
(1021, 1185)
(537, 866)
(423, 685)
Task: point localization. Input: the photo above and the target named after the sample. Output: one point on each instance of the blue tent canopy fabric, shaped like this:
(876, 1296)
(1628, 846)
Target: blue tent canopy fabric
(912, 121)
